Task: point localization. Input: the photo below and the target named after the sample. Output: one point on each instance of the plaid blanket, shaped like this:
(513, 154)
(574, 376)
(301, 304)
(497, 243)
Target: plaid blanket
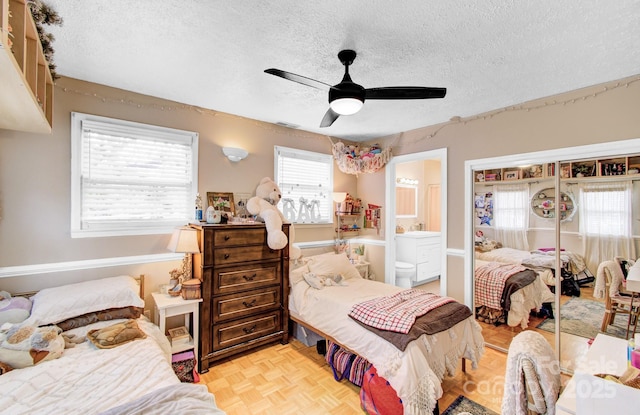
(397, 312)
(490, 279)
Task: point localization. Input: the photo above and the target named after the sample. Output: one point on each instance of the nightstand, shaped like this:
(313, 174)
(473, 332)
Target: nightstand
(363, 269)
(168, 306)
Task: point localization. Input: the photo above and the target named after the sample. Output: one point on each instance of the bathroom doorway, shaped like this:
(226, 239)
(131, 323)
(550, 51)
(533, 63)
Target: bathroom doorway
(418, 182)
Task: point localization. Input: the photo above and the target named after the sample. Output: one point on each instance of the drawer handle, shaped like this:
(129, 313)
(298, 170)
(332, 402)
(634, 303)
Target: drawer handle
(227, 237)
(251, 278)
(226, 256)
(250, 304)
(250, 329)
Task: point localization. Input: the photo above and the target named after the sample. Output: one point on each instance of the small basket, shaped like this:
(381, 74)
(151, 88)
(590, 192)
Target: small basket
(191, 289)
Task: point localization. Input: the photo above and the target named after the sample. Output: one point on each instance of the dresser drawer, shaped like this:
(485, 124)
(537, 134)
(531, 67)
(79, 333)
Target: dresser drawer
(233, 279)
(239, 237)
(240, 331)
(225, 256)
(243, 304)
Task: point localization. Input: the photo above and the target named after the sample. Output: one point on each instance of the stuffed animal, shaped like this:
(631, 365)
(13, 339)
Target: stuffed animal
(264, 204)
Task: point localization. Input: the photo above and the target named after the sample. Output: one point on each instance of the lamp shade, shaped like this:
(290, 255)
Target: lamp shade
(338, 197)
(184, 239)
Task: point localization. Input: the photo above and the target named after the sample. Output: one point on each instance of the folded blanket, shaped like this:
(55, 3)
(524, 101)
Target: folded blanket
(490, 279)
(514, 283)
(437, 320)
(397, 312)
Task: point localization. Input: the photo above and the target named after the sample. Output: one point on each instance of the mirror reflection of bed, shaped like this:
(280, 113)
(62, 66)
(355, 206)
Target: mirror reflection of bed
(514, 252)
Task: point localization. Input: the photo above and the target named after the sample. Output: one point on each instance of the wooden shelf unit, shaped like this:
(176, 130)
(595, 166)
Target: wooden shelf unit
(612, 167)
(26, 97)
(348, 219)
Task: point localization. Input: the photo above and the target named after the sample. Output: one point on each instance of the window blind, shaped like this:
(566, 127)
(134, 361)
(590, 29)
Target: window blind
(132, 176)
(305, 178)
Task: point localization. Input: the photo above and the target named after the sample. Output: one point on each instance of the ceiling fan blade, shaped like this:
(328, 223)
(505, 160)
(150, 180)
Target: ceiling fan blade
(298, 78)
(329, 117)
(404, 92)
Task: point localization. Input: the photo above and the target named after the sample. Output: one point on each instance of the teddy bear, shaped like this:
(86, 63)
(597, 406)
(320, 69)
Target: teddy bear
(264, 204)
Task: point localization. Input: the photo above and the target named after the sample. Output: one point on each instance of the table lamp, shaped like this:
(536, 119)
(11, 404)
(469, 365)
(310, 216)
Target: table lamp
(185, 239)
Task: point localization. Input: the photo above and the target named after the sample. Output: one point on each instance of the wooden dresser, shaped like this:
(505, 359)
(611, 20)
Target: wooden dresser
(245, 290)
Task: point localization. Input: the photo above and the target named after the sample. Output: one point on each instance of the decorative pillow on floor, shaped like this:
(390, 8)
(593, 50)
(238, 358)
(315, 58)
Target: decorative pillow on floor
(23, 346)
(115, 335)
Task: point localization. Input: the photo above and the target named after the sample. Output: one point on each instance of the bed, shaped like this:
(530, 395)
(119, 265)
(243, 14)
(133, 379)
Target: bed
(573, 265)
(523, 291)
(415, 373)
(129, 372)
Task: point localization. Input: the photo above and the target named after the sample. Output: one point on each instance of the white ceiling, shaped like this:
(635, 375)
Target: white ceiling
(488, 54)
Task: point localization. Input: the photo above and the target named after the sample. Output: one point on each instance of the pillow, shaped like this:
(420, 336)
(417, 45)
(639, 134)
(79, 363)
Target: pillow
(23, 345)
(333, 264)
(13, 309)
(320, 281)
(115, 335)
(296, 275)
(102, 315)
(53, 305)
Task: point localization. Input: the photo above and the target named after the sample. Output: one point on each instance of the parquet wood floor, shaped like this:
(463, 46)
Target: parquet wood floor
(294, 379)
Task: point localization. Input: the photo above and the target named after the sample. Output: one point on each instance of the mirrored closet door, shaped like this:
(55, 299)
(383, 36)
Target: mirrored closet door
(522, 208)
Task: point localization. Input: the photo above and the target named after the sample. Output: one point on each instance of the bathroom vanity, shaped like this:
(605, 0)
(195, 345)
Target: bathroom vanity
(422, 249)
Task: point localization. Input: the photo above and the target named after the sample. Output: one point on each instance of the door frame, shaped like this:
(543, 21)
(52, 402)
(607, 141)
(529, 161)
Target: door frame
(390, 212)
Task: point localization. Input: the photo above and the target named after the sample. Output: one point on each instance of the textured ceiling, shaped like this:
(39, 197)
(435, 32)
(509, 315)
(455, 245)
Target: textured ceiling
(488, 54)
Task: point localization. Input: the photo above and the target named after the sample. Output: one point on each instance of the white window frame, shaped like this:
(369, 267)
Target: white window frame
(79, 228)
(327, 194)
(613, 222)
(515, 216)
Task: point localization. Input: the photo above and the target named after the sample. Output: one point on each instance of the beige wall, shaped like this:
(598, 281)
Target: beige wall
(607, 112)
(35, 175)
(35, 169)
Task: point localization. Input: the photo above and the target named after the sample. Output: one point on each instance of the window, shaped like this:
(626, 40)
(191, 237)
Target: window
(511, 207)
(605, 209)
(306, 181)
(130, 178)
(511, 215)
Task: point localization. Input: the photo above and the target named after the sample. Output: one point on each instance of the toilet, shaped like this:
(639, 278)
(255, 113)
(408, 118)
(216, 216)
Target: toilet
(405, 274)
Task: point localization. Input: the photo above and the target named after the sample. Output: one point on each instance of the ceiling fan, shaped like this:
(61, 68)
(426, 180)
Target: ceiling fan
(347, 97)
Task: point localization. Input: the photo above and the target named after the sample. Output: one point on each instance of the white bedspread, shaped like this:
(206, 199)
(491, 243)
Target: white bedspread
(416, 373)
(87, 380)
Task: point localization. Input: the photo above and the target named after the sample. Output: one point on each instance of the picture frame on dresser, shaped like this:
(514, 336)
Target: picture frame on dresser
(222, 201)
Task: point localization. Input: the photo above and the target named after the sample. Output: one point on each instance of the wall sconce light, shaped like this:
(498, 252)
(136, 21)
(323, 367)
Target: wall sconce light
(235, 154)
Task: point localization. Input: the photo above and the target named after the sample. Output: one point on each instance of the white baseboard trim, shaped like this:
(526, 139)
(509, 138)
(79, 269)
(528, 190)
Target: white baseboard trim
(21, 270)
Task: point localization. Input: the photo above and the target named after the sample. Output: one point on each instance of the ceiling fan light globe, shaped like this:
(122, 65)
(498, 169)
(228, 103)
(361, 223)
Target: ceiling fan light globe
(346, 106)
